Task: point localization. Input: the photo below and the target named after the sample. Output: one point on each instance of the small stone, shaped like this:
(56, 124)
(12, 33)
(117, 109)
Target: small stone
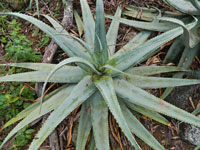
(192, 134)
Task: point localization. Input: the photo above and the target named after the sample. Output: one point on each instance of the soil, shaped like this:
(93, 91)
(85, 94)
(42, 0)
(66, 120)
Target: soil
(170, 137)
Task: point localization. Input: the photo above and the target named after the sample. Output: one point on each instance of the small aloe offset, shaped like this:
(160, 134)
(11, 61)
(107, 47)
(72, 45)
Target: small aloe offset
(103, 79)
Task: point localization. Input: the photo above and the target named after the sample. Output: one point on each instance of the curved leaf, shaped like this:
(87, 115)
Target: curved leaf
(65, 75)
(32, 66)
(190, 39)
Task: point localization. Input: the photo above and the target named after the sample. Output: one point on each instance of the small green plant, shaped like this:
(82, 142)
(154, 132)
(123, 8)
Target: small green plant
(22, 138)
(101, 80)
(18, 47)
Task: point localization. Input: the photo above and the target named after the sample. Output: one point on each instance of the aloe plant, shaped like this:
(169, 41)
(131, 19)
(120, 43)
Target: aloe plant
(103, 79)
(186, 45)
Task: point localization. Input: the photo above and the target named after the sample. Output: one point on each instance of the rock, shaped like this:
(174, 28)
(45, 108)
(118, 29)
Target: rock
(192, 134)
(180, 96)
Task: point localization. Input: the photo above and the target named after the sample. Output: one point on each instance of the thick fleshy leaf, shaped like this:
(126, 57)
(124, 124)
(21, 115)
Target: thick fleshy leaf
(175, 49)
(142, 98)
(99, 115)
(89, 25)
(79, 94)
(34, 106)
(138, 40)
(190, 39)
(148, 14)
(152, 26)
(113, 32)
(32, 66)
(152, 70)
(64, 75)
(149, 113)
(184, 6)
(132, 57)
(49, 105)
(106, 88)
(100, 43)
(67, 45)
(84, 126)
(139, 130)
(156, 82)
(79, 23)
